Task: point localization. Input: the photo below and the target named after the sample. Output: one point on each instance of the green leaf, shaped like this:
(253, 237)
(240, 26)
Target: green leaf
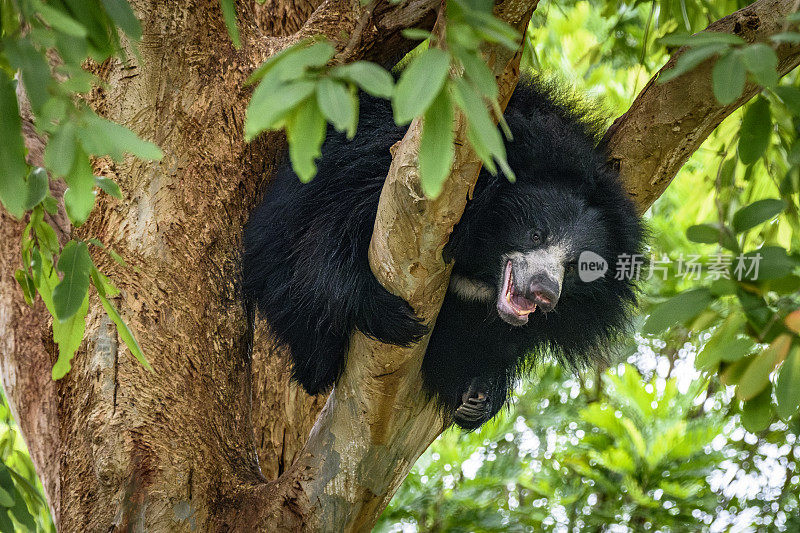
(50, 204)
(757, 413)
(110, 251)
(46, 237)
(12, 151)
(37, 262)
(9, 17)
(103, 284)
(370, 77)
(790, 97)
(116, 257)
(125, 333)
(723, 287)
(756, 131)
(482, 132)
(315, 56)
(68, 334)
(122, 15)
(305, 131)
(677, 309)
(725, 344)
(436, 145)
(75, 263)
(690, 59)
(756, 376)
(702, 38)
(786, 37)
(6, 499)
(229, 14)
(100, 137)
(712, 234)
(728, 78)
(102, 36)
(78, 81)
(787, 387)
(59, 155)
(337, 105)
(272, 101)
(762, 62)
(757, 213)
(728, 172)
(108, 185)
(790, 184)
(22, 514)
(785, 285)
(773, 263)
(7, 485)
(26, 284)
(604, 417)
(37, 187)
(276, 61)
(492, 29)
(416, 34)
(74, 51)
(419, 84)
(733, 372)
(478, 72)
(460, 35)
(79, 197)
(59, 20)
(614, 459)
(35, 71)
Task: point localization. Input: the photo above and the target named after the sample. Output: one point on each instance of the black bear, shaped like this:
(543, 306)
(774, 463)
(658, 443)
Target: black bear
(515, 291)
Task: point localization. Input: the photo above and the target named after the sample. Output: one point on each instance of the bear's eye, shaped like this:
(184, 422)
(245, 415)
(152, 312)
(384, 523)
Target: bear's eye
(536, 237)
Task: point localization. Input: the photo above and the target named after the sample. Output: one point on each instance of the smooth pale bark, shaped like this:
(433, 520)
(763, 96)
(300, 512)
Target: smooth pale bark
(193, 445)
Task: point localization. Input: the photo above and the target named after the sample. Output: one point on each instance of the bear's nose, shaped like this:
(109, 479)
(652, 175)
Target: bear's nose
(544, 293)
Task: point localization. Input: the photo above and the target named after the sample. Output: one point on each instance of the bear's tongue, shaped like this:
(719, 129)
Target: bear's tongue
(512, 302)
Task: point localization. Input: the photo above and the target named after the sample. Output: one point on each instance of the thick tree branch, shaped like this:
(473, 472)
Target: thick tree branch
(281, 18)
(371, 32)
(358, 32)
(667, 123)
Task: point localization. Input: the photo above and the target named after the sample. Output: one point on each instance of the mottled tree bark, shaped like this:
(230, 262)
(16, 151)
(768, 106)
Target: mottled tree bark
(215, 439)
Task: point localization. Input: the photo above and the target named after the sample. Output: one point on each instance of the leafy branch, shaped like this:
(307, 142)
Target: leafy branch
(75, 135)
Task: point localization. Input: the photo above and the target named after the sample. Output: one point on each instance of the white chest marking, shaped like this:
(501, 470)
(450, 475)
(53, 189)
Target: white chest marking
(472, 289)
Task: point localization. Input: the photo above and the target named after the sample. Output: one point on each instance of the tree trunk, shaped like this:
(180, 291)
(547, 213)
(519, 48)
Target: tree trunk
(217, 438)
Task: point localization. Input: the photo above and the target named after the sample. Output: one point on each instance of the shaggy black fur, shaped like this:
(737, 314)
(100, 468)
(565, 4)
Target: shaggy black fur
(305, 261)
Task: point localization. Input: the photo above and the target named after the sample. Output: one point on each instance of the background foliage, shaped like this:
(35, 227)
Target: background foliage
(698, 429)
(695, 429)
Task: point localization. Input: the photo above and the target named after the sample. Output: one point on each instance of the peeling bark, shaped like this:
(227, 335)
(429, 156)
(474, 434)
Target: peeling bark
(215, 439)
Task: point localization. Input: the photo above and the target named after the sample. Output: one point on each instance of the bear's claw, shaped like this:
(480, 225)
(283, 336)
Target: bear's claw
(476, 407)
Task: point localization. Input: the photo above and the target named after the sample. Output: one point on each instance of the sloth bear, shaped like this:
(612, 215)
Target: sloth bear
(515, 291)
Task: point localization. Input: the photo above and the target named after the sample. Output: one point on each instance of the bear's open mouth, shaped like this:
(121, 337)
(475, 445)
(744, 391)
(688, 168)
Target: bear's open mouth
(513, 307)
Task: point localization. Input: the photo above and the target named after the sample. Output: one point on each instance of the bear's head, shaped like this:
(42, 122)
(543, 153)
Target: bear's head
(544, 255)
